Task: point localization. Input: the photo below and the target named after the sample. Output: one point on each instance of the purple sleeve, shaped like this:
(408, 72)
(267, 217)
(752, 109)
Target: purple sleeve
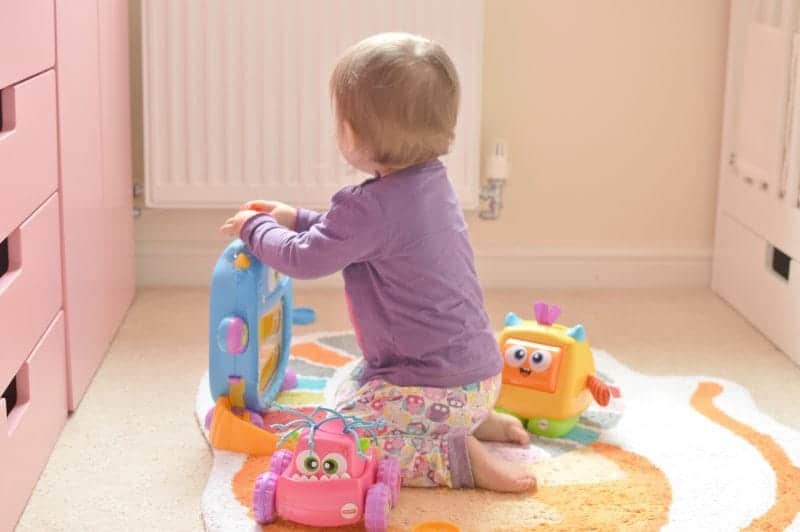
(351, 231)
(306, 218)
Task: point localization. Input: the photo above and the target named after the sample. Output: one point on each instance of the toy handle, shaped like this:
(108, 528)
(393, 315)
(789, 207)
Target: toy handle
(255, 206)
(599, 390)
(303, 316)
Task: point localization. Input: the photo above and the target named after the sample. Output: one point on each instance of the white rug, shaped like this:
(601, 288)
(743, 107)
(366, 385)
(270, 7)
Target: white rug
(689, 453)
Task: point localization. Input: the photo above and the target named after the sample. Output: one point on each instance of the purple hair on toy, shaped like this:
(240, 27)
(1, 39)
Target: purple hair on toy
(546, 314)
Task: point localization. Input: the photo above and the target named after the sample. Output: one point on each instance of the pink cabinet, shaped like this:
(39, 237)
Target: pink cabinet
(66, 232)
(94, 126)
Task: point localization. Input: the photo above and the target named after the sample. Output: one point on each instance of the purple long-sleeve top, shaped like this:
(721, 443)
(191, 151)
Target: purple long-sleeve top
(401, 241)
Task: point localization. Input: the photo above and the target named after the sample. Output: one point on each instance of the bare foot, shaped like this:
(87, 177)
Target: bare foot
(502, 427)
(493, 473)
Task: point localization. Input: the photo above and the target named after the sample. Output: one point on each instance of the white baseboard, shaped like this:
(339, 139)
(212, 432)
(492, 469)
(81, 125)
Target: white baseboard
(161, 263)
(607, 268)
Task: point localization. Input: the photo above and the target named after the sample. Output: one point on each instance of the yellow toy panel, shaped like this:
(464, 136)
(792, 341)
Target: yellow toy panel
(269, 334)
(548, 372)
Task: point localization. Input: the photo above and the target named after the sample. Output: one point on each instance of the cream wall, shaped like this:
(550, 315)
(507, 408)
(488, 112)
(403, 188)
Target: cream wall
(613, 113)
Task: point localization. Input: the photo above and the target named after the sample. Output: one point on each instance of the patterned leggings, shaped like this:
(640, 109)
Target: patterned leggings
(426, 428)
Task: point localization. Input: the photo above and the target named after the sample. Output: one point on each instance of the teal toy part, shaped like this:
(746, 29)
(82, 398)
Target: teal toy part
(512, 319)
(577, 332)
(582, 435)
(303, 316)
(251, 319)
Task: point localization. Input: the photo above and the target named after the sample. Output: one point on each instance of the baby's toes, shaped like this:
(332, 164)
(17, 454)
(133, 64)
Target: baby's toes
(516, 433)
(527, 482)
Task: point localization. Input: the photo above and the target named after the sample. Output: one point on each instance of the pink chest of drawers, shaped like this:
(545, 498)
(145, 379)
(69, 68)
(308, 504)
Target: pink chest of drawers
(66, 235)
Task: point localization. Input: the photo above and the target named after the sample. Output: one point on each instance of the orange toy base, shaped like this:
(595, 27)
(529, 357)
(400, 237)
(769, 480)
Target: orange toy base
(229, 432)
(436, 526)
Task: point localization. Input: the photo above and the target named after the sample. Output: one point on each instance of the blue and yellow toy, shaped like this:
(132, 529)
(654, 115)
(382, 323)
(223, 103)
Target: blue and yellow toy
(548, 372)
(250, 331)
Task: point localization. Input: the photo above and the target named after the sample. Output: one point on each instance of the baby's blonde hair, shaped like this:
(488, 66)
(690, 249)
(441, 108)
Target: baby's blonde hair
(400, 94)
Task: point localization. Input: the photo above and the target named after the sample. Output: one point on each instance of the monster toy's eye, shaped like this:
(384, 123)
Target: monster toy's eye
(307, 463)
(540, 360)
(334, 464)
(515, 356)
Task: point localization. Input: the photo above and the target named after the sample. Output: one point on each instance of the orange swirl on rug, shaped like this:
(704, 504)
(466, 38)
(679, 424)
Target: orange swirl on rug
(787, 475)
(640, 501)
(314, 352)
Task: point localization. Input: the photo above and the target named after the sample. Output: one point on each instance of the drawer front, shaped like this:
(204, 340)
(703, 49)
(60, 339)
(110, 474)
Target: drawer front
(28, 149)
(27, 42)
(29, 432)
(30, 291)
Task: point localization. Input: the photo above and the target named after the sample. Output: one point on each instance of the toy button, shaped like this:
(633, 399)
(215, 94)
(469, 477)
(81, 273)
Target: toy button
(232, 335)
(242, 262)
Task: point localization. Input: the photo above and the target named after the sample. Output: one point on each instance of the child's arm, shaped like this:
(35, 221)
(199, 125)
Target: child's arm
(306, 219)
(298, 219)
(351, 231)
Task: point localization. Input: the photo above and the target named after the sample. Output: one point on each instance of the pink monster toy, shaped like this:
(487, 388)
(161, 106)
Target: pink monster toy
(333, 478)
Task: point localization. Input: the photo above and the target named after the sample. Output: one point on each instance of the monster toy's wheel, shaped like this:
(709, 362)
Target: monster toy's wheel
(551, 428)
(280, 461)
(376, 509)
(289, 380)
(256, 419)
(389, 474)
(264, 498)
(209, 418)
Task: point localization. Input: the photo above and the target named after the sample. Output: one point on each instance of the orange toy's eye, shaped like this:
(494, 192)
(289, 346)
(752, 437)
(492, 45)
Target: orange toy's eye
(515, 356)
(540, 360)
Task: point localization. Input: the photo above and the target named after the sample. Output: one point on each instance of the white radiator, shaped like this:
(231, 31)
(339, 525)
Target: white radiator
(757, 249)
(236, 99)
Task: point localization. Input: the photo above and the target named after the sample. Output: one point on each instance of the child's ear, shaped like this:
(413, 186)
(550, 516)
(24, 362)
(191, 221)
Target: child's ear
(348, 137)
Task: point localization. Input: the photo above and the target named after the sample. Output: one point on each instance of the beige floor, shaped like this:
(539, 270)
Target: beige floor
(132, 457)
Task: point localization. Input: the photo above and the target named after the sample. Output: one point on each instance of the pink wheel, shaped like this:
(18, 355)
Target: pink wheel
(289, 380)
(280, 461)
(256, 419)
(376, 511)
(389, 474)
(209, 418)
(264, 498)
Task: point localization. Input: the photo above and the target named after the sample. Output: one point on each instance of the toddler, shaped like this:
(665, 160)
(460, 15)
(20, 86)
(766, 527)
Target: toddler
(431, 366)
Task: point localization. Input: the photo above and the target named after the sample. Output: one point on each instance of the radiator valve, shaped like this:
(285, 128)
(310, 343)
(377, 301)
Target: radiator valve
(496, 177)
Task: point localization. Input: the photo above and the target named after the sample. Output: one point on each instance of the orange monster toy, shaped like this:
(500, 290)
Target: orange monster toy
(548, 373)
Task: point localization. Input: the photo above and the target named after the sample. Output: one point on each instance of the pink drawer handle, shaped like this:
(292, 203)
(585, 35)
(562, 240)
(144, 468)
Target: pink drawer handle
(10, 260)
(8, 112)
(15, 399)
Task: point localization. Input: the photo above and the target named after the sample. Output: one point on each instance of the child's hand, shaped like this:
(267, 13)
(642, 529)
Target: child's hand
(233, 226)
(286, 215)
